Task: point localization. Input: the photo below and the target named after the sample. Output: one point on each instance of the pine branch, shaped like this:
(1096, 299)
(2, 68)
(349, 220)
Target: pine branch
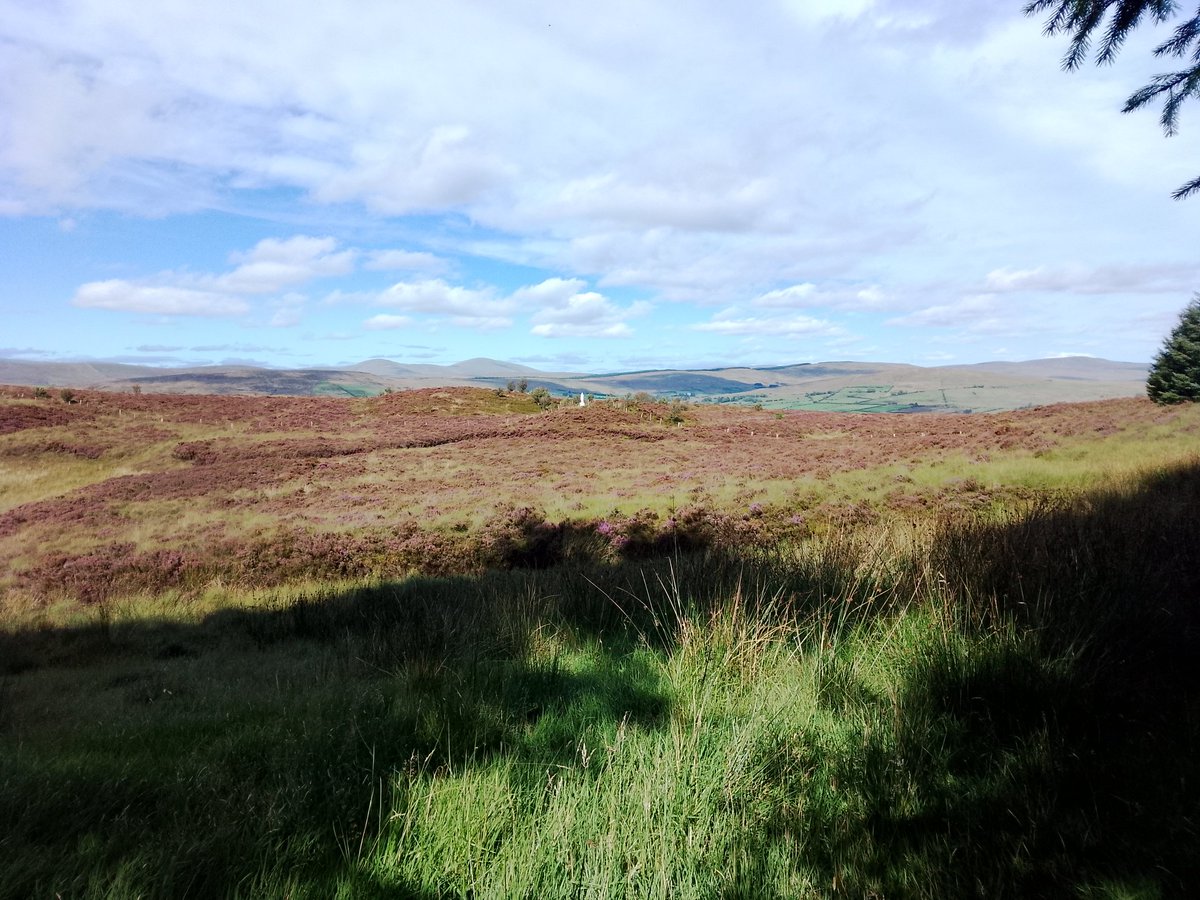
(1081, 19)
(1187, 190)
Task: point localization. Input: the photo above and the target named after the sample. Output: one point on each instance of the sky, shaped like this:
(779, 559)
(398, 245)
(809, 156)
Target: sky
(580, 186)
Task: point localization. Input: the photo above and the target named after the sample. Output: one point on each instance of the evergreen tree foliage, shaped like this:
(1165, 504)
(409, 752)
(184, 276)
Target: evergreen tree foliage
(1083, 19)
(1175, 375)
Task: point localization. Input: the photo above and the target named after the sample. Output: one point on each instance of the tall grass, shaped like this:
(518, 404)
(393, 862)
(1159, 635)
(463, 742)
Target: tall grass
(986, 706)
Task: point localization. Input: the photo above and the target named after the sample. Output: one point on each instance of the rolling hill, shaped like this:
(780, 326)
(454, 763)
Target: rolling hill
(832, 386)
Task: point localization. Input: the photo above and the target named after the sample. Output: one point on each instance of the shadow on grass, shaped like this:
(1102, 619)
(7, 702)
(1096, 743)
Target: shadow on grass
(1040, 740)
(1043, 745)
(196, 771)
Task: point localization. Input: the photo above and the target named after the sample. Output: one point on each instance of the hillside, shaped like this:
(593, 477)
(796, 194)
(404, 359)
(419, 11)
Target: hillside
(829, 386)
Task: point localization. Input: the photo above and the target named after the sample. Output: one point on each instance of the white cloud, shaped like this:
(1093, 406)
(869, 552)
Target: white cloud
(404, 260)
(482, 323)
(286, 318)
(384, 322)
(289, 310)
(586, 315)
(975, 314)
(809, 296)
(268, 268)
(781, 326)
(445, 168)
(739, 204)
(465, 307)
(1173, 278)
(558, 307)
(551, 292)
(126, 296)
(275, 264)
(795, 296)
(598, 329)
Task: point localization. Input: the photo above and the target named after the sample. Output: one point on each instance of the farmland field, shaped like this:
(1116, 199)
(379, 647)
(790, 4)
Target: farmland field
(443, 643)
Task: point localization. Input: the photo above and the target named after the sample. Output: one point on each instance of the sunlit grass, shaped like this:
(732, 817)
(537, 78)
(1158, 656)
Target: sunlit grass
(29, 473)
(1076, 463)
(25, 480)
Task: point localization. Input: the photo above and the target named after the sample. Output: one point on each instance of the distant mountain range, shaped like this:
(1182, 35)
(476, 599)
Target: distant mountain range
(838, 386)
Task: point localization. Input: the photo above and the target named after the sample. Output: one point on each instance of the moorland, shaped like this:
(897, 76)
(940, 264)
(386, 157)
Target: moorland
(823, 387)
(450, 643)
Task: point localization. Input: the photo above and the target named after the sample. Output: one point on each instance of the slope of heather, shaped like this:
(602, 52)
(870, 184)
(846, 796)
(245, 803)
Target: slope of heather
(443, 643)
(415, 480)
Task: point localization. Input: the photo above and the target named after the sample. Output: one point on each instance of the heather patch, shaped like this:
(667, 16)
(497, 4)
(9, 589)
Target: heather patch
(436, 473)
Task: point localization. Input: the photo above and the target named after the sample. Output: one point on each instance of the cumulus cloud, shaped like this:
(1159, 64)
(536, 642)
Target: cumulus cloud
(276, 264)
(269, 267)
(587, 314)
(557, 307)
(551, 292)
(466, 307)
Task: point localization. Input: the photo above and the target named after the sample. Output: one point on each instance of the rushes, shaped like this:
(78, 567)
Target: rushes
(997, 705)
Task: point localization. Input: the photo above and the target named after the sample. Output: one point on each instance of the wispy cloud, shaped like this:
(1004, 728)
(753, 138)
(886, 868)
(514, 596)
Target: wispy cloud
(782, 326)
(981, 313)
(1158, 278)
(404, 261)
(167, 300)
(385, 322)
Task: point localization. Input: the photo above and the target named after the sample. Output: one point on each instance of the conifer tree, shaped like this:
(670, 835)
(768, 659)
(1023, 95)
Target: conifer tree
(1175, 375)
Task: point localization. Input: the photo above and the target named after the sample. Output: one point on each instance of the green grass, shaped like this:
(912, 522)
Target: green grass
(332, 389)
(999, 706)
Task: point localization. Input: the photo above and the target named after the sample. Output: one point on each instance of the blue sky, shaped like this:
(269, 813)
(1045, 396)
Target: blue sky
(579, 186)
